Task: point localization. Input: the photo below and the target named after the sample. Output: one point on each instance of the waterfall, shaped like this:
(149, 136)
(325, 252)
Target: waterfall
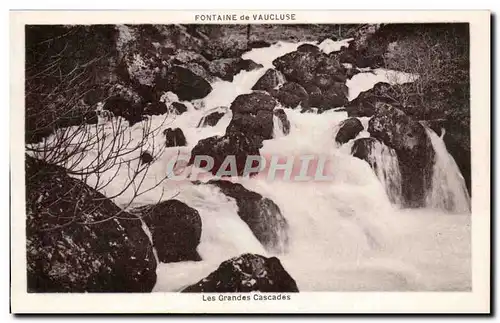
(384, 163)
(448, 189)
(277, 127)
(344, 234)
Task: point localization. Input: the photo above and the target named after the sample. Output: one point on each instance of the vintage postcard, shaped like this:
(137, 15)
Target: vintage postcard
(250, 161)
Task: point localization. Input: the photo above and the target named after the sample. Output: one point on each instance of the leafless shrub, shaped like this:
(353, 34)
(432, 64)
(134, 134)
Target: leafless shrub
(66, 128)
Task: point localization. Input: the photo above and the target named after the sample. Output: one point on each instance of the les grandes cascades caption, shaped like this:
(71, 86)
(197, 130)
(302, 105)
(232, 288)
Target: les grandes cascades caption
(251, 297)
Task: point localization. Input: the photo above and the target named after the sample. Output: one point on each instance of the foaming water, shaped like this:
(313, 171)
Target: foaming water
(344, 234)
(384, 162)
(448, 190)
(364, 81)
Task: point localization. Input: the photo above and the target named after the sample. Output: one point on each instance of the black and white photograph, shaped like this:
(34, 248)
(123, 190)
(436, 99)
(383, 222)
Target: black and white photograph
(248, 162)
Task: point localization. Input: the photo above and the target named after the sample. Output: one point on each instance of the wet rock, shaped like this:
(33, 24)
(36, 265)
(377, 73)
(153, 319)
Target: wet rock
(211, 120)
(247, 273)
(121, 107)
(252, 102)
(183, 82)
(146, 157)
(155, 109)
(310, 68)
(413, 148)
(285, 123)
(227, 68)
(178, 108)
(253, 116)
(269, 81)
(333, 97)
(200, 71)
(258, 125)
(184, 57)
(218, 147)
(175, 229)
(261, 215)
(364, 105)
(348, 129)
(291, 95)
(174, 137)
(65, 225)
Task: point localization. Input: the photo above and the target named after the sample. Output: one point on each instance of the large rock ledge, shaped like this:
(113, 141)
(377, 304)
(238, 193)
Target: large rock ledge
(77, 240)
(261, 215)
(246, 273)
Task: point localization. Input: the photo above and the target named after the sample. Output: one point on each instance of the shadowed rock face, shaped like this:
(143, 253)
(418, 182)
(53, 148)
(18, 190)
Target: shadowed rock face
(261, 215)
(227, 68)
(175, 229)
(218, 147)
(291, 94)
(247, 273)
(253, 116)
(268, 81)
(311, 67)
(186, 84)
(75, 240)
(174, 137)
(348, 130)
(413, 148)
(211, 120)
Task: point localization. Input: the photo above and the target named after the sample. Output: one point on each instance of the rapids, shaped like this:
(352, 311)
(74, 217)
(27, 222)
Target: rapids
(345, 235)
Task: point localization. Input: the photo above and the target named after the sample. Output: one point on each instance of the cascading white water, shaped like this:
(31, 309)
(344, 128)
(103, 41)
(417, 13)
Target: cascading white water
(343, 234)
(277, 127)
(384, 162)
(448, 190)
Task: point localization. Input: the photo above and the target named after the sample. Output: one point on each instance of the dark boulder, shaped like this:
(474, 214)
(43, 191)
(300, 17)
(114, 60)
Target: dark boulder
(291, 95)
(365, 104)
(413, 148)
(261, 215)
(253, 116)
(327, 98)
(218, 147)
(160, 108)
(174, 137)
(269, 81)
(146, 157)
(227, 68)
(156, 109)
(252, 102)
(175, 229)
(177, 108)
(211, 119)
(120, 107)
(334, 96)
(247, 273)
(348, 129)
(285, 123)
(310, 68)
(77, 240)
(183, 82)
(258, 125)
